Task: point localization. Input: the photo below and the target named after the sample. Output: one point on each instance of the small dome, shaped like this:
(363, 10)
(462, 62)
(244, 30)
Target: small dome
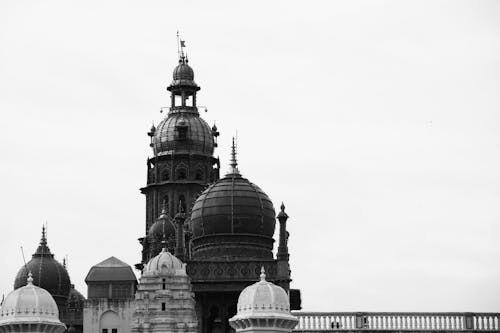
(48, 273)
(183, 132)
(30, 305)
(75, 299)
(163, 229)
(183, 72)
(263, 296)
(164, 263)
(263, 306)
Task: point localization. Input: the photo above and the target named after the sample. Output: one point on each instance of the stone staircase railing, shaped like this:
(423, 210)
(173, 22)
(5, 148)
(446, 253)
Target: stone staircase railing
(396, 321)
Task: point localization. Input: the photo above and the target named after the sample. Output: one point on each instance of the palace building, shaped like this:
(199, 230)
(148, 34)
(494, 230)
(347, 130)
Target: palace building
(207, 262)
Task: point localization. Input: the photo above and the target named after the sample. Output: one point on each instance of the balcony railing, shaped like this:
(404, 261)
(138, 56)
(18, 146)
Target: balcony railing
(396, 321)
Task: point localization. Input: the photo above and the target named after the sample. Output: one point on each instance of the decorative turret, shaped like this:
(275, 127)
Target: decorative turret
(182, 164)
(283, 241)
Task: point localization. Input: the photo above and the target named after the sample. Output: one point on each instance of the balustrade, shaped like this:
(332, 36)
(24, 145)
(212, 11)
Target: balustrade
(397, 321)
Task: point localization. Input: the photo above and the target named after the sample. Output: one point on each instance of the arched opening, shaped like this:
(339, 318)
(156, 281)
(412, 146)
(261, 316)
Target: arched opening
(181, 174)
(165, 175)
(109, 322)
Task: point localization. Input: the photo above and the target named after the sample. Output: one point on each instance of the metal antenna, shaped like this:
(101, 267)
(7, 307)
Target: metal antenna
(24, 260)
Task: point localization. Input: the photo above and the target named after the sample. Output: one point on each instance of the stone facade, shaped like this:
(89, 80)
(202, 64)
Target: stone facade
(164, 301)
(107, 315)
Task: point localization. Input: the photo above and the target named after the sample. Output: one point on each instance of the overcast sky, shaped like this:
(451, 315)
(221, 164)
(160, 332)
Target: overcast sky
(377, 123)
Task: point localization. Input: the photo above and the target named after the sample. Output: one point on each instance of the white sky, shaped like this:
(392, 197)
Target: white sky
(375, 122)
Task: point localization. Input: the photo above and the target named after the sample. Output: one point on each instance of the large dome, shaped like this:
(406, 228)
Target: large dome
(183, 131)
(233, 218)
(48, 273)
(30, 305)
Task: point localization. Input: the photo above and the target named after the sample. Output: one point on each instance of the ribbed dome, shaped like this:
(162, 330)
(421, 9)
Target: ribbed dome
(233, 218)
(30, 305)
(183, 132)
(263, 306)
(163, 229)
(48, 273)
(263, 296)
(183, 72)
(164, 263)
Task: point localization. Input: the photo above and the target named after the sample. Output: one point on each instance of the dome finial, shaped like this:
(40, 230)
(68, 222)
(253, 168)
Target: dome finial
(164, 207)
(30, 278)
(181, 44)
(262, 274)
(43, 240)
(234, 162)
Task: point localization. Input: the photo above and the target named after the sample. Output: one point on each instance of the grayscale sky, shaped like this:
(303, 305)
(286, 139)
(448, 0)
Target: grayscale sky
(377, 123)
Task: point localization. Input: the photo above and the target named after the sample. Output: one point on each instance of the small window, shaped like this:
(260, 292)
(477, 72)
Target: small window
(114, 330)
(104, 330)
(163, 306)
(165, 176)
(163, 286)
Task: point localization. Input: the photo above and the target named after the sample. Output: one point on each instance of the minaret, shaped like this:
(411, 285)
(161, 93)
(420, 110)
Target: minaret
(182, 164)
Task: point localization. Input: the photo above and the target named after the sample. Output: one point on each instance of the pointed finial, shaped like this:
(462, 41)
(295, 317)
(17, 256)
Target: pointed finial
(262, 274)
(43, 240)
(282, 207)
(234, 162)
(164, 207)
(30, 278)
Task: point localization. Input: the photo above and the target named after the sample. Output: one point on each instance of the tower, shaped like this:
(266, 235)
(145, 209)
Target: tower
(182, 164)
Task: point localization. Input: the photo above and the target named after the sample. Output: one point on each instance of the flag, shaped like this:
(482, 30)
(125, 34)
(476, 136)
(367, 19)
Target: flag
(183, 43)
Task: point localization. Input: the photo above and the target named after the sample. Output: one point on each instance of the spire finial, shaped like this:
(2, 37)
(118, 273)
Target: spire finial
(262, 274)
(30, 278)
(282, 207)
(164, 207)
(234, 162)
(181, 44)
(43, 240)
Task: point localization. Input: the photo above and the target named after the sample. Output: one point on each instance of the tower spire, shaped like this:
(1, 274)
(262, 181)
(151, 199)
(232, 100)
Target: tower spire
(234, 162)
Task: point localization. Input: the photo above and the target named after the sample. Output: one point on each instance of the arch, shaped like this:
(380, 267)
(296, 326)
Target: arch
(109, 322)
(165, 175)
(181, 172)
(198, 175)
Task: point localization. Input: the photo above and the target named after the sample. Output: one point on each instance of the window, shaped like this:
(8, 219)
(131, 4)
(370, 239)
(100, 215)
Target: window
(163, 306)
(165, 176)
(104, 330)
(199, 175)
(181, 174)
(114, 330)
(163, 286)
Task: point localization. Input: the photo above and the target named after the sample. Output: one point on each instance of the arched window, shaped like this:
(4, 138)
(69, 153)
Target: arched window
(181, 174)
(165, 175)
